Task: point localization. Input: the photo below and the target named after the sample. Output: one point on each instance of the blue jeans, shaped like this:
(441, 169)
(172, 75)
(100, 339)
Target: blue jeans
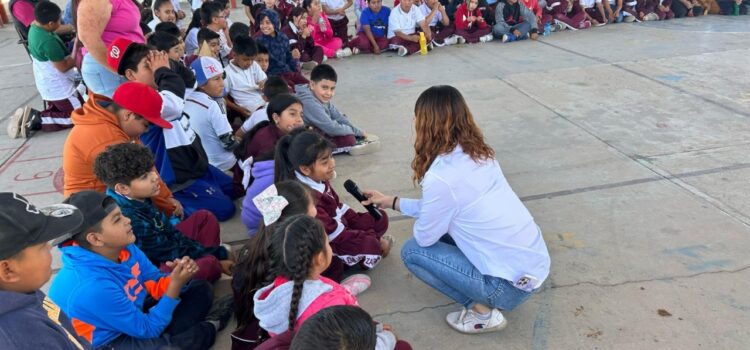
(213, 192)
(445, 267)
(98, 78)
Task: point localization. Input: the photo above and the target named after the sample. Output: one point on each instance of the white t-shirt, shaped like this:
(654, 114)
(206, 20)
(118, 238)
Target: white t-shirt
(209, 121)
(191, 41)
(224, 49)
(153, 23)
(404, 22)
(426, 12)
(255, 119)
(196, 4)
(242, 84)
(52, 84)
(476, 206)
(333, 4)
(587, 4)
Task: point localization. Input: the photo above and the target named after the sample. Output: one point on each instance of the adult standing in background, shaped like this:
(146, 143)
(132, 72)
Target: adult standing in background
(99, 23)
(474, 240)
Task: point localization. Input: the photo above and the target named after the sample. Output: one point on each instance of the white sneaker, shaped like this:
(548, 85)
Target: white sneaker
(565, 25)
(486, 38)
(651, 17)
(628, 18)
(14, 123)
(402, 51)
(365, 147)
(356, 284)
(355, 51)
(325, 58)
(461, 40)
(309, 65)
(341, 53)
(451, 40)
(466, 321)
(505, 38)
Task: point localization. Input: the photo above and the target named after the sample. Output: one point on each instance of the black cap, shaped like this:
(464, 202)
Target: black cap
(22, 224)
(95, 206)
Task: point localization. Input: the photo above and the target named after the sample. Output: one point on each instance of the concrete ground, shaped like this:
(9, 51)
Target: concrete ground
(627, 143)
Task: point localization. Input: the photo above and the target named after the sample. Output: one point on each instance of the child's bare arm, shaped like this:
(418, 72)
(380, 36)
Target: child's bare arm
(371, 38)
(65, 65)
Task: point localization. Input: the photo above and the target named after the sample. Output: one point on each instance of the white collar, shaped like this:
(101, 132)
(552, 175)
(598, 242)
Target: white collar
(318, 186)
(294, 28)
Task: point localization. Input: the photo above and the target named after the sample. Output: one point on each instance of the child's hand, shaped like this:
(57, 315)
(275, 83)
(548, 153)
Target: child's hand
(227, 266)
(517, 33)
(183, 270)
(295, 54)
(376, 49)
(472, 18)
(179, 211)
(534, 36)
(158, 59)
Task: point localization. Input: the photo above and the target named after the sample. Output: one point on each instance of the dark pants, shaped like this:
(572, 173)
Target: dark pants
(440, 32)
(213, 192)
(57, 115)
(363, 43)
(680, 10)
(316, 54)
(340, 28)
(294, 78)
(410, 46)
(188, 329)
(202, 227)
(727, 8)
(666, 14)
(473, 35)
(359, 243)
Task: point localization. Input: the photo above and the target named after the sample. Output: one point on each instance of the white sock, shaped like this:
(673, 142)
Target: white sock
(482, 316)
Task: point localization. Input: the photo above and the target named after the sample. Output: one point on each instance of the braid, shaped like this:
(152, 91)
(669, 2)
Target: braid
(293, 250)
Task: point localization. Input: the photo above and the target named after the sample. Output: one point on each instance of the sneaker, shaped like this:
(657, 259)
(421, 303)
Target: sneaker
(309, 65)
(221, 310)
(341, 53)
(460, 39)
(564, 25)
(651, 17)
(431, 46)
(445, 42)
(31, 121)
(355, 51)
(14, 124)
(486, 38)
(364, 147)
(628, 19)
(586, 24)
(325, 58)
(402, 51)
(356, 284)
(451, 40)
(507, 38)
(467, 321)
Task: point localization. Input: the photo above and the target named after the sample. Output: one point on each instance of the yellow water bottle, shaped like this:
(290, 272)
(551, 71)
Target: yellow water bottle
(422, 44)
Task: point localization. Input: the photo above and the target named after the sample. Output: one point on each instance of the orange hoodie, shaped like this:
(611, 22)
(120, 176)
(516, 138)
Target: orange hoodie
(95, 128)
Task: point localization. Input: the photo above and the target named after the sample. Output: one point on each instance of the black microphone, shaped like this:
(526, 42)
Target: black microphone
(352, 188)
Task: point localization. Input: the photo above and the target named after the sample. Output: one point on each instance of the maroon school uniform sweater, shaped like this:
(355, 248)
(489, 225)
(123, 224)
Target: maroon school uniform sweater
(327, 204)
(303, 45)
(263, 142)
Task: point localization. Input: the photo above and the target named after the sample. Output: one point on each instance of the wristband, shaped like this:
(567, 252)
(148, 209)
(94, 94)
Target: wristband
(393, 205)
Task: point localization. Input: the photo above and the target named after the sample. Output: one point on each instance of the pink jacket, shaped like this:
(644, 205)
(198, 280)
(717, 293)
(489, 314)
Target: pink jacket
(320, 36)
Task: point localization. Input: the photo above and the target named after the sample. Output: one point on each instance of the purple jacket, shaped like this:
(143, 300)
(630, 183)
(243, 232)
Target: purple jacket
(262, 178)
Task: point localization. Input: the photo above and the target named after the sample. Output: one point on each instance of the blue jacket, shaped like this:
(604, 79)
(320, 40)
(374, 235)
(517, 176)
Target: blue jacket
(157, 237)
(33, 321)
(107, 298)
(280, 58)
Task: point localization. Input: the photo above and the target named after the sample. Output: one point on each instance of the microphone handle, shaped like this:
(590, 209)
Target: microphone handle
(370, 207)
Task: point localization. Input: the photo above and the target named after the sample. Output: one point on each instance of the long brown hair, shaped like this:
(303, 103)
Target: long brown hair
(443, 121)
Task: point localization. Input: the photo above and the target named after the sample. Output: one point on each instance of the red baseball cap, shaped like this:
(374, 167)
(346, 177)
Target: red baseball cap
(143, 100)
(116, 52)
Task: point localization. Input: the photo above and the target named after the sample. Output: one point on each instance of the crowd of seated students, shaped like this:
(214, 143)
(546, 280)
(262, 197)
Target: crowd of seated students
(151, 171)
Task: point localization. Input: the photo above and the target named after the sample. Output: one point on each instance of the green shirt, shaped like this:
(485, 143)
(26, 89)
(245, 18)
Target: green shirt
(45, 46)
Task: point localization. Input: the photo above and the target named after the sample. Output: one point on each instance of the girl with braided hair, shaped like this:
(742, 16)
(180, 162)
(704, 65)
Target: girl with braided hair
(299, 254)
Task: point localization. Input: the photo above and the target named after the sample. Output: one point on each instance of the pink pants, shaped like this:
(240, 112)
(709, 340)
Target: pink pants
(330, 46)
(203, 227)
(363, 43)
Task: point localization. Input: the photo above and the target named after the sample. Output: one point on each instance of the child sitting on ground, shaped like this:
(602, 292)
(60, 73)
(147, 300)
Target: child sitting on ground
(272, 87)
(281, 61)
(514, 21)
(402, 28)
(439, 22)
(263, 58)
(118, 299)
(300, 253)
(470, 25)
(273, 5)
(257, 151)
(322, 31)
(356, 238)
(54, 75)
(567, 13)
(208, 117)
(373, 29)
(301, 40)
(212, 16)
(191, 34)
(128, 171)
(164, 11)
(245, 79)
(30, 320)
(277, 202)
(322, 115)
(596, 12)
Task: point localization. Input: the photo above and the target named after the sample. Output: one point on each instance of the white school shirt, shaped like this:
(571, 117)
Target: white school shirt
(242, 84)
(196, 4)
(191, 41)
(587, 4)
(334, 4)
(153, 23)
(209, 121)
(404, 22)
(255, 119)
(224, 49)
(474, 203)
(426, 12)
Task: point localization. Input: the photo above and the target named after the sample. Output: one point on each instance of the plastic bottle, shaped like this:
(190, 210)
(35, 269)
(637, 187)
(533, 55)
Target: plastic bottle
(322, 24)
(547, 29)
(422, 44)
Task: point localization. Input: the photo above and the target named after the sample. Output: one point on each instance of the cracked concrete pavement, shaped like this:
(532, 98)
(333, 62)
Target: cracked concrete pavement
(628, 143)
